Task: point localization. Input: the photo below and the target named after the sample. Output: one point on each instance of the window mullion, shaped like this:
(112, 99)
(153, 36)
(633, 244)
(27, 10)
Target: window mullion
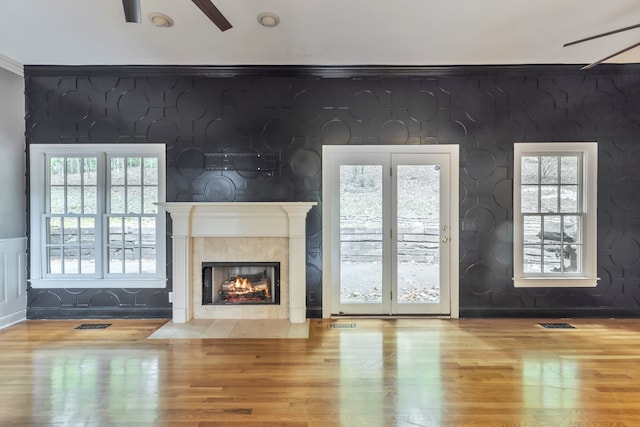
(561, 242)
(140, 239)
(559, 183)
(539, 183)
(65, 190)
(581, 186)
(101, 197)
(542, 240)
(107, 214)
(81, 167)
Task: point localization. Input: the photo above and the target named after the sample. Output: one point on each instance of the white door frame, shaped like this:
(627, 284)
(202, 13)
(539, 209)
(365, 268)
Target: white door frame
(330, 206)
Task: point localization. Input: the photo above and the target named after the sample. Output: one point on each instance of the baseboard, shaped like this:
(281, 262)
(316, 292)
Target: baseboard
(314, 313)
(555, 313)
(94, 313)
(13, 318)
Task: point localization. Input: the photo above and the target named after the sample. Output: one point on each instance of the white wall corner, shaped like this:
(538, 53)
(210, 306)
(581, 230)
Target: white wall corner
(12, 65)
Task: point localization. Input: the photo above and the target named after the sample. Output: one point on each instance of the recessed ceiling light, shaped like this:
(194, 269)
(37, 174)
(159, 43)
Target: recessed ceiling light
(268, 19)
(161, 20)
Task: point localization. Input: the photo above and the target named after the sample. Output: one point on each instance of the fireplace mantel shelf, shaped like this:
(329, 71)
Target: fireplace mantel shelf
(238, 219)
(235, 219)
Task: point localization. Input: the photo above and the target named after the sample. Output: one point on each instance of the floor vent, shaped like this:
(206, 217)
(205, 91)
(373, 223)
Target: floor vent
(343, 325)
(94, 326)
(557, 325)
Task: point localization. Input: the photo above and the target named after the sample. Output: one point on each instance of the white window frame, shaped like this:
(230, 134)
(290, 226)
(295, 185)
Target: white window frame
(37, 234)
(588, 277)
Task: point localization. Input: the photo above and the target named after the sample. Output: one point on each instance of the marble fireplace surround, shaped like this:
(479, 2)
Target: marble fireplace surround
(192, 220)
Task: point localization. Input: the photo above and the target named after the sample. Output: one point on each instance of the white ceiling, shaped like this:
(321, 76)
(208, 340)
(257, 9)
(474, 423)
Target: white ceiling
(319, 32)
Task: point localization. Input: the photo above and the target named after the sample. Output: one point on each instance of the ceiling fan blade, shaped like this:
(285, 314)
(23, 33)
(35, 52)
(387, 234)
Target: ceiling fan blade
(593, 64)
(213, 13)
(131, 10)
(608, 33)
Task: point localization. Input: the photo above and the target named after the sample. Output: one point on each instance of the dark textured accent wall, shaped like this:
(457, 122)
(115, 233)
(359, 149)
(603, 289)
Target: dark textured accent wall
(290, 112)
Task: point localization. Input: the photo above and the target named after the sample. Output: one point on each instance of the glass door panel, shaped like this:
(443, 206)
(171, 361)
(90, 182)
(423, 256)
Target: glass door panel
(363, 212)
(418, 234)
(361, 256)
(418, 208)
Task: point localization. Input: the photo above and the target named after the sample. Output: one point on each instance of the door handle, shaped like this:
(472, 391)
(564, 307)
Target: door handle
(445, 239)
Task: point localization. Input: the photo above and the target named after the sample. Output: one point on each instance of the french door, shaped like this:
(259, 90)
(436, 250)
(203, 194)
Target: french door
(389, 230)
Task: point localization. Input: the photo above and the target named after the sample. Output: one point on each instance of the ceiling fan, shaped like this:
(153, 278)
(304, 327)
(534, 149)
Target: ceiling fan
(132, 12)
(608, 33)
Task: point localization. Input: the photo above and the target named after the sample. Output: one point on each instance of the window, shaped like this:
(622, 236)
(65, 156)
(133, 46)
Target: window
(555, 214)
(95, 220)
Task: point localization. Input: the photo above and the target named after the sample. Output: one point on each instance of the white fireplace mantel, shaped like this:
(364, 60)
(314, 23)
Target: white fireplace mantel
(237, 219)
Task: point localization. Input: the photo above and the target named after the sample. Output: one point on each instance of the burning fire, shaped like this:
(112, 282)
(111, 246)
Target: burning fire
(242, 287)
(242, 284)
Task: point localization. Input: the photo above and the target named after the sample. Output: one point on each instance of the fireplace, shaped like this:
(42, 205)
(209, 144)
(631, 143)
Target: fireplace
(238, 231)
(240, 283)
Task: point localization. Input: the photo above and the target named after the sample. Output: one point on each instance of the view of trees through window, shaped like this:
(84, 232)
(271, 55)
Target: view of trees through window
(416, 231)
(79, 209)
(551, 210)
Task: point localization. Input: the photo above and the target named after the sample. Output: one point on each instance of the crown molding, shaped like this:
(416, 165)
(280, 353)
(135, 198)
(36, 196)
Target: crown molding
(324, 71)
(11, 65)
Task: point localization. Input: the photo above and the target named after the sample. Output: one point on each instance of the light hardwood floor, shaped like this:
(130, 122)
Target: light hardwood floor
(403, 372)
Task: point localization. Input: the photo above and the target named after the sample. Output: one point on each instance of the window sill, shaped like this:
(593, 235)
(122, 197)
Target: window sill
(66, 283)
(556, 282)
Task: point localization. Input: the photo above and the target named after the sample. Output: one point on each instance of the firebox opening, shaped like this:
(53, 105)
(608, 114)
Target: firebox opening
(231, 283)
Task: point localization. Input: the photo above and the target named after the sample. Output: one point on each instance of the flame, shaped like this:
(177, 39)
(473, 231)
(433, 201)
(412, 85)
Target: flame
(241, 287)
(242, 284)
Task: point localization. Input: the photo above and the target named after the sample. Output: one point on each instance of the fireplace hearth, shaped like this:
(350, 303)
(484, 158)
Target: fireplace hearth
(238, 283)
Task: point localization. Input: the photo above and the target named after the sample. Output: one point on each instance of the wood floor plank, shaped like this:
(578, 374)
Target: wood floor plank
(385, 372)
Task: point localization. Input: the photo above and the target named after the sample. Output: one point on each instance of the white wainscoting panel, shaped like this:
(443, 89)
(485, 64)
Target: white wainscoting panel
(13, 281)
